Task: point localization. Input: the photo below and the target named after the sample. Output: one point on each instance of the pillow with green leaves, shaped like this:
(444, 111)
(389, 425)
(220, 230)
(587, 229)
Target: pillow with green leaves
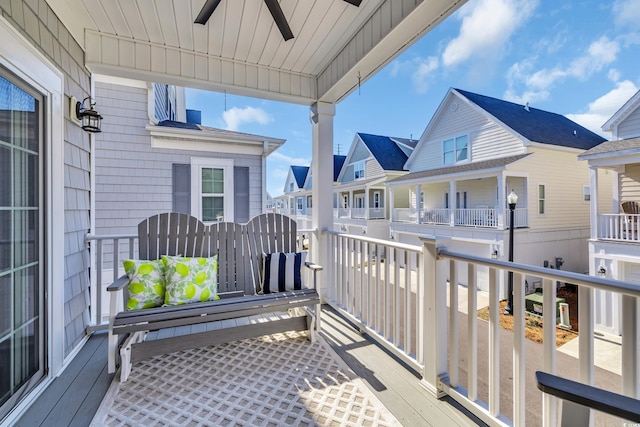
(190, 279)
(146, 283)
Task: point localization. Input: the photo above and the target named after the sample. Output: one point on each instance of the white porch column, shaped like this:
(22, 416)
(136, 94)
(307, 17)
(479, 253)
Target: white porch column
(501, 201)
(321, 116)
(452, 203)
(389, 203)
(366, 202)
(593, 204)
(417, 192)
(351, 204)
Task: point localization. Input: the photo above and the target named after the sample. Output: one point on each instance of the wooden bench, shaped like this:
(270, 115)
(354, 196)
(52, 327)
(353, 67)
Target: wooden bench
(579, 398)
(239, 248)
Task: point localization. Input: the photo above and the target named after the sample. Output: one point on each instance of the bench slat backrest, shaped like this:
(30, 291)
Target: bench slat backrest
(268, 233)
(239, 246)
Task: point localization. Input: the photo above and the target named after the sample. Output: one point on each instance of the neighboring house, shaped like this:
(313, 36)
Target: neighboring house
(148, 160)
(212, 174)
(361, 199)
(473, 153)
(293, 201)
(614, 247)
(296, 199)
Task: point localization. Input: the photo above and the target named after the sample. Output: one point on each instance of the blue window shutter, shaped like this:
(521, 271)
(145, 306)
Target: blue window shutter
(181, 191)
(241, 193)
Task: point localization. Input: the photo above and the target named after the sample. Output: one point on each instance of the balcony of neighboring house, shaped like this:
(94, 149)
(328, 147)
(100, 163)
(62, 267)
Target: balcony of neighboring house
(368, 204)
(475, 204)
(617, 219)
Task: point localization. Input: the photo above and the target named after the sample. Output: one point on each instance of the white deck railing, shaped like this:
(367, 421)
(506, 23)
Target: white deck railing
(478, 217)
(397, 294)
(620, 227)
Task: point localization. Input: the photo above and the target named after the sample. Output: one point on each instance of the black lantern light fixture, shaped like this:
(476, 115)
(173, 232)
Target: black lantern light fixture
(89, 118)
(512, 199)
(494, 254)
(602, 272)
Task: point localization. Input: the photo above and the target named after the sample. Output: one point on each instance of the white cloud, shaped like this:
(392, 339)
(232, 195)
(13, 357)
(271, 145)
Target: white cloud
(421, 75)
(296, 161)
(601, 110)
(479, 38)
(235, 117)
(537, 85)
(600, 53)
(626, 13)
(420, 69)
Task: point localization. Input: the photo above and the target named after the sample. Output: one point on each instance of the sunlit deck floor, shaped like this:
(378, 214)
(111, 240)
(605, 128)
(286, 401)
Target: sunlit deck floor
(74, 397)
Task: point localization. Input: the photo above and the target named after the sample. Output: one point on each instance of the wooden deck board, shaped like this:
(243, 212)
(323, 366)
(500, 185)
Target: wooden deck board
(74, 397)
(396, 387)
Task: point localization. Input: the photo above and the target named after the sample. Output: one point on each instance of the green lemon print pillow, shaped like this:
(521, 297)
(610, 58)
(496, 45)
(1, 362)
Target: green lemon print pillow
(190, 279)
(146, 283)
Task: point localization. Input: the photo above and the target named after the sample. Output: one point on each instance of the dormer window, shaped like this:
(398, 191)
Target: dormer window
(358, 170)
(455, 150)
(290, 187)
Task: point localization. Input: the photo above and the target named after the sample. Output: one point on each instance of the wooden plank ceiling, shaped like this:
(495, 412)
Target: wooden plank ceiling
(241, 50)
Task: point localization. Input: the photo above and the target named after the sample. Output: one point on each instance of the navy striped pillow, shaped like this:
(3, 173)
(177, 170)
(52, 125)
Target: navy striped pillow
(281, 272)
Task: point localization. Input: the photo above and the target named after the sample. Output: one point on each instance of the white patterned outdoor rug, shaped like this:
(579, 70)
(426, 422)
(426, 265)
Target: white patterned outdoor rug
(277, 380)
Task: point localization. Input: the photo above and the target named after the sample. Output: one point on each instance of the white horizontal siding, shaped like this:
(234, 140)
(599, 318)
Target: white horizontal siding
(372, 169)
(630, 127)
(630, 183)
(487, 140)
(564, 178)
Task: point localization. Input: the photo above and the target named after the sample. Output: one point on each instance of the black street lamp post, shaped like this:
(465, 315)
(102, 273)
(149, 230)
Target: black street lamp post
(512, 199)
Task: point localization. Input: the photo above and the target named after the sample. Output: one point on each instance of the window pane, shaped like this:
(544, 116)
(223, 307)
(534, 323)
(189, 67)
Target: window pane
(447, 145)
(541, 206)
(25, 298)
(541, 191)
(462, 154)
(5, 240)
(5, 175)
(212, 209)
(448, 158)
(5, 306)
(212, 181)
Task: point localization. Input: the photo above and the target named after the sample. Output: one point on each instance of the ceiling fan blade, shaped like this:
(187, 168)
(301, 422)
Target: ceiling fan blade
(278, 17)
(356, 3)
(206, 11)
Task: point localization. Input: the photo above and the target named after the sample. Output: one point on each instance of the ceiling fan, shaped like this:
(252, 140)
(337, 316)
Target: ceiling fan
(274, 7)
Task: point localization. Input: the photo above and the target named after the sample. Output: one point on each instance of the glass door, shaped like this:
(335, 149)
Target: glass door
(22, 289)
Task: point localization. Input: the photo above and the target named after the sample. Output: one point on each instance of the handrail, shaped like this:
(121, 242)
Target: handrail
(393, 244)
(605, 284)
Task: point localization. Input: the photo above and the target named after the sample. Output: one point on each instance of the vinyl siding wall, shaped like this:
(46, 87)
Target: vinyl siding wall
(372, 169)
(564, 178)
(630, 127)
(629, 183)
(134, 180)
(41, 27)
(487, 140)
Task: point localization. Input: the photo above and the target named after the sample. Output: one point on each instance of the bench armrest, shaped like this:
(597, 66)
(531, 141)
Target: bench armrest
(589, 396)
(118, 284)
(315, 268)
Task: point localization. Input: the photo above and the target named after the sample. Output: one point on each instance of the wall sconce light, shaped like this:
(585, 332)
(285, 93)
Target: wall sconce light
(494, 254)
(602, 272)
(88, 117)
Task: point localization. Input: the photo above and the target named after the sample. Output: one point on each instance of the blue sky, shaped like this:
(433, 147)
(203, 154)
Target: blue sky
(576, 58)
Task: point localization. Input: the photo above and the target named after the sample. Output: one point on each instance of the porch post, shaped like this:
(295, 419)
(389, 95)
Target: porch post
(593, 203)
(433, 312)
(417, 191)
(501, 198)
(366, 201)
(389, 204)
(452, 203)
(321, 116)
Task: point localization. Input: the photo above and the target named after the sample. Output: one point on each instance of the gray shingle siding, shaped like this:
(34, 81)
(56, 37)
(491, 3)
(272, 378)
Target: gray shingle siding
(37, 22)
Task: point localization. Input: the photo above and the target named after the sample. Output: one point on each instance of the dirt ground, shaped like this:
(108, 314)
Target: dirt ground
(533, 324)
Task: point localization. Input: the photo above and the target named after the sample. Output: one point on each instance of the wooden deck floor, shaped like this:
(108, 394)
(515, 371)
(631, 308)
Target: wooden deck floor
(74, 397)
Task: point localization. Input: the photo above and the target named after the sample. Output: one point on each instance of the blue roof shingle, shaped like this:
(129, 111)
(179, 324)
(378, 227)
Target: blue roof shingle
(385, 150)
(300, 174)
(536, 125)
(338, 162)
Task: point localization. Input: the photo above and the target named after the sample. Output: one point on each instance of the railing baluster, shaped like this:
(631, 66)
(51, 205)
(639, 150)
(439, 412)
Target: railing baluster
(396, 301)
(630, 338)
(549, 402)
(453, 321)
(494, 344)
(407, 303)
(519, 408)
(98, 285)
(472, 333)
